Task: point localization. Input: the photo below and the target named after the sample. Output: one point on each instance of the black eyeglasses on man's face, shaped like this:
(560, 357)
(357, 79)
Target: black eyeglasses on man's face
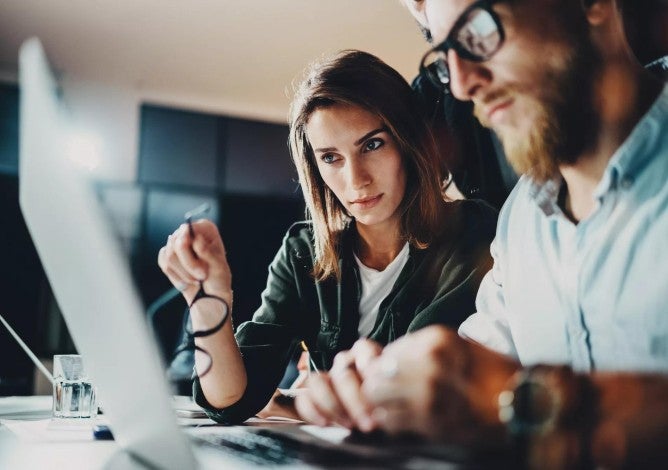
(476, 36)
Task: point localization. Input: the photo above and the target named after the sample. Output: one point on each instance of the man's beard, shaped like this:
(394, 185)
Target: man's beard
(566, 123)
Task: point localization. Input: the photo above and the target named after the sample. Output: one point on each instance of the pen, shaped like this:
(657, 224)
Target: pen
(196, 212)
(310, 359)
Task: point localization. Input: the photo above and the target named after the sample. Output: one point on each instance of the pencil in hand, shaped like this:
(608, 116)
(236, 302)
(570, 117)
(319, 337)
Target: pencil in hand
(310, 359)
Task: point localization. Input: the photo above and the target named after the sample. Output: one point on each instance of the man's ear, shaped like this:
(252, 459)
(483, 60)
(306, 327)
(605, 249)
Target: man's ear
(598, 11)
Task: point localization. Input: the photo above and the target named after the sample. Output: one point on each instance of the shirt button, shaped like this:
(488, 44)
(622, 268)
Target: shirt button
(626, 183)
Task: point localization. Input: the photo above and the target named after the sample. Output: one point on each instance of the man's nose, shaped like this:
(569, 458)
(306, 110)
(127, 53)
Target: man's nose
(466, 77)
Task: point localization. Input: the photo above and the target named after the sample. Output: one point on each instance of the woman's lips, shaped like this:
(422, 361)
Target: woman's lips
(366, 202)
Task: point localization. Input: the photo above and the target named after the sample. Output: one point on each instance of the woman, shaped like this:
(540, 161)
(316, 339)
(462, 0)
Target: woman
(383, 253)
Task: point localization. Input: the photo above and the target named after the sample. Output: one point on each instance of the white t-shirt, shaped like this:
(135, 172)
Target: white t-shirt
(376, 285)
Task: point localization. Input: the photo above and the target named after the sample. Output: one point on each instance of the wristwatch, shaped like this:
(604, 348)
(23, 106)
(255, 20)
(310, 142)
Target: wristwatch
(550, 413)
(532, 403)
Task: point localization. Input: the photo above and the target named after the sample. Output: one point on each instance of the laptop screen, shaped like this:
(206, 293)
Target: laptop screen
(90, 276)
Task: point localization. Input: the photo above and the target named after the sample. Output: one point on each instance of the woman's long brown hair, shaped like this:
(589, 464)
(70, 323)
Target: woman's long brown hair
(357, 78)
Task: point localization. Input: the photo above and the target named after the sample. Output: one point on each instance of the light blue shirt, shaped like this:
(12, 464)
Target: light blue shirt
(592, 295)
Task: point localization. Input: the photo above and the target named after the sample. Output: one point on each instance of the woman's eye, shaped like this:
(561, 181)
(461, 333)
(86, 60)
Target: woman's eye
(373, 144)
(328, 158)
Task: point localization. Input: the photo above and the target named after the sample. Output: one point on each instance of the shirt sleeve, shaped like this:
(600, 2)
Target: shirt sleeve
(266, 342)
(489, 325)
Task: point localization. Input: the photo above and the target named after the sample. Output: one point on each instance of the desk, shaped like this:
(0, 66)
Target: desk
(28, 442)
(29, 439)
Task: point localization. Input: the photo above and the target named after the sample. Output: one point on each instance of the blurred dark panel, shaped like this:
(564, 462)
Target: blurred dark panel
(179, 147)
(257, 160)
(23, 292)
(646, 23)
(9, 128)
(253, 228)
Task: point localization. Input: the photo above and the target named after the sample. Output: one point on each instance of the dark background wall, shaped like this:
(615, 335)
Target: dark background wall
(241, 168)
(646, 23)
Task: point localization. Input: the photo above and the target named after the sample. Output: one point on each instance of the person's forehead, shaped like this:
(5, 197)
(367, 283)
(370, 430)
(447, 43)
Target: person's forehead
(416, 8)
(442, 14)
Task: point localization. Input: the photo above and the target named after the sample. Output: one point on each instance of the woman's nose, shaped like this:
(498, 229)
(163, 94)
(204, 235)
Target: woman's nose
(358, 175)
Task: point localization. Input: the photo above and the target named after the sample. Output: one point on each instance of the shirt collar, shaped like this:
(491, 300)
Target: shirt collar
(638, 149)
(546, 194)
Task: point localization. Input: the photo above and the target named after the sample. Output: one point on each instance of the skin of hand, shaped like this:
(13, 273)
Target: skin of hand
(336, 397)
(186, 261)
(436, 384)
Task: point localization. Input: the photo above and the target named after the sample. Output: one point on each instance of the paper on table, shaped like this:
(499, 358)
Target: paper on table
(185, 403)
(271, 420)
(333, 434)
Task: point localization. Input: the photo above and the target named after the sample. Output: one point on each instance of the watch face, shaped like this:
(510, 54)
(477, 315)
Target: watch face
(530, 408)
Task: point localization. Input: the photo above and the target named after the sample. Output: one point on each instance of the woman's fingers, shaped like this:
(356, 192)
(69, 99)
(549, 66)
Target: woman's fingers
(321, 404)
(364, 351)
(177, 281)
(172, 267)
(193, 265)
(187, 260)
(347, 386)
(308, 411)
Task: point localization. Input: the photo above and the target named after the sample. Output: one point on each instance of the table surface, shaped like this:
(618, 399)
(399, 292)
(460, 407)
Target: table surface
(30, 439)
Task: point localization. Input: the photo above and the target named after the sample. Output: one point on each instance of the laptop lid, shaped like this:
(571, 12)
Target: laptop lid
(90, 276)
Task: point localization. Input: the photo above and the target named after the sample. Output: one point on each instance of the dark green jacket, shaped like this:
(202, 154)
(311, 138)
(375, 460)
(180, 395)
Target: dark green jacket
(437, 285)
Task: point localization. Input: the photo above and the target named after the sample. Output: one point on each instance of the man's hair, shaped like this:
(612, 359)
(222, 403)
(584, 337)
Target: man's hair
(426, 32)
(360, 79)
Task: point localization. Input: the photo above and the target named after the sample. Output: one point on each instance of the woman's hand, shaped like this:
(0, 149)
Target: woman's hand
(187, 260)
(336, 397)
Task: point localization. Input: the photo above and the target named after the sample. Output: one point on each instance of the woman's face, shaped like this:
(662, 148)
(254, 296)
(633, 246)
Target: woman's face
(359, 161)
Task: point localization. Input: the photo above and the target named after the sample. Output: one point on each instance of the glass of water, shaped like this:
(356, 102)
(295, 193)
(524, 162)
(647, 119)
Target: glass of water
(73, 394)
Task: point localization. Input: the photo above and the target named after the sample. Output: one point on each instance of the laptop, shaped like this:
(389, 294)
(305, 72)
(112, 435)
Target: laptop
(92, 283)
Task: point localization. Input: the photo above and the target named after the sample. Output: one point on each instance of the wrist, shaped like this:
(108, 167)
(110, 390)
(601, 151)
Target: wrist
(209, 313)
(550, 413)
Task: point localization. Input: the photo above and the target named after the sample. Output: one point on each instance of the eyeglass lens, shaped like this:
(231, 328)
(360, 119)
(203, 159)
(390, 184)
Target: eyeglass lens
(480, 34)
(477, 38)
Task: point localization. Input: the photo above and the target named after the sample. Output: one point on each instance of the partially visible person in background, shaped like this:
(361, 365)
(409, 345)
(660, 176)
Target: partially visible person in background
(383, 254)
(646, 26)
(473, 153)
